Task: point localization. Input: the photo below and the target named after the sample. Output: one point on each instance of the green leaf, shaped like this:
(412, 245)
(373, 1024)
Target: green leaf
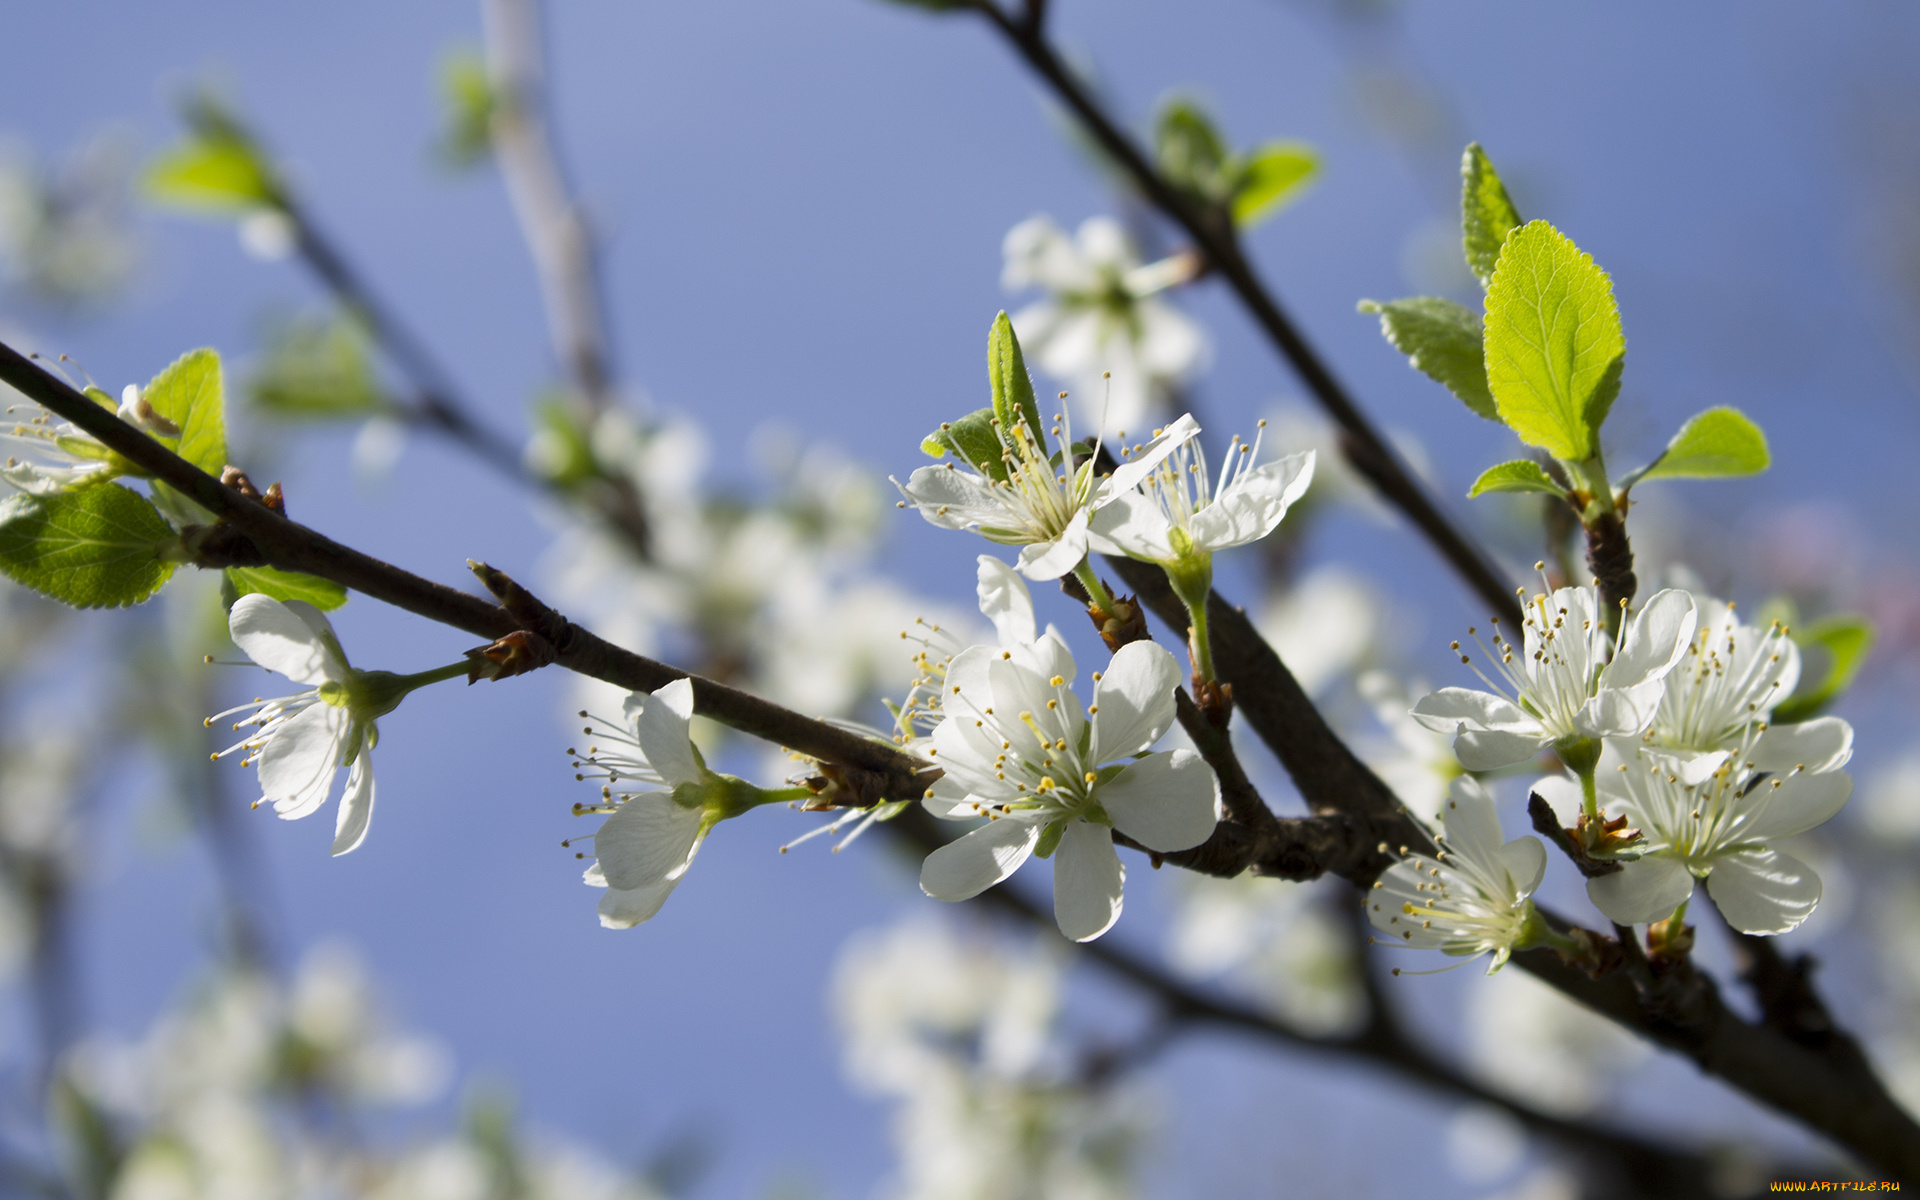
(189, 394)
(1520, 475)
(99, 547)
(1554, 348)
(1013, 399)
(1847, 640)
(973, 438)
(1715, 444)
(1190, 151)
(1444, 340)
(287, 585)
(1487, 214)
(317, 368)
(1272, 177)
(466, 91)
(213, 173)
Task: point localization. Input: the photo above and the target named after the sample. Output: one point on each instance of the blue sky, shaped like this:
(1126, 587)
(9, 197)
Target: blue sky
(805, 202)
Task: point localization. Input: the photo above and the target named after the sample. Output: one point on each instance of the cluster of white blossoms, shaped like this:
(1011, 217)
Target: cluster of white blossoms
(1665, 732)
(961, 1033)
(1104, 327)
(253, 1088)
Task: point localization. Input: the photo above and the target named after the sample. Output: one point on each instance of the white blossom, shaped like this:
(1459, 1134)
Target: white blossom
(1103, 317)
(1720, 830)
(644, 847)
(1273, 939)
(1042, 508)
(301, 739)
(1475, 897)
(1018, 747)
(1573, 680)
(1730, 679)
(1176, 512)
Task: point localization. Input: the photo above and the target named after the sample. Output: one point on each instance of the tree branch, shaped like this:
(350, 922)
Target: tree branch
(555, 228)
(1213, 232)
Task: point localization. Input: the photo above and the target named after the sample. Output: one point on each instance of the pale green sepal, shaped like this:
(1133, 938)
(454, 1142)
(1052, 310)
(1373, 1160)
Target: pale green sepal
(1554, 348)
(1520, 475)
(1487, 214)
(1050, 838)
(1716, 444)
(1443, 340)
(104, 546)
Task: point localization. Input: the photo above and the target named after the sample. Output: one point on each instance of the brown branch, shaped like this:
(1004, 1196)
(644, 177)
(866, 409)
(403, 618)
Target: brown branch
(293, 547)
(1213, 234)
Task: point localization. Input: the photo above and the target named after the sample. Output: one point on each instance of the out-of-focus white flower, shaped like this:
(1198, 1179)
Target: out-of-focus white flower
(1040, 506)
(960, 1031)
(1530, 1041)
(1269, 937)
(1103, 316)
(1890, 807)
(67, 237)
(268, 234)
(1019, 748)
(1323, 626)
(1573, 681)
(1417, 763)
(1473, 899)
(1720, 830)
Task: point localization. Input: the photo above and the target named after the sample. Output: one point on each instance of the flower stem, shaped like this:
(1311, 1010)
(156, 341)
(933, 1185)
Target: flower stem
(1202, 643)
(1097, 592)
(423, 678)
(1536, 932)
(1582, 757)
(775, 795)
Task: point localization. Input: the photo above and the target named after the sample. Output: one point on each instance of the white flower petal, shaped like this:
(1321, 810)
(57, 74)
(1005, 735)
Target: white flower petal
(1618, 712)
(1821, 744)
(1647, 889)
(1526, 861)
(356, 805)
(1131, 524)
(1800, 802)
(1129, 474)
(1087, 882)
(1492, 749)
(280, 639)
(1167, 801)
(1657, 638)
(1450, 709)
(1473, 828)
(660, 720)
(1050, 560)
(954, 499)
(1691, 767)
(623, 908)
(1763, 891)
(962, 870)
(1005, 600)
(1249, 509)
(1562, 794)
(298, 761)
(647, 840)
(1134, 699)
